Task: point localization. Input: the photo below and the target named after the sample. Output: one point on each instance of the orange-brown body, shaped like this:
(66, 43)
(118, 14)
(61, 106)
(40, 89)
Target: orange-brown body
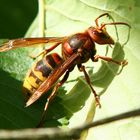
(76, 50)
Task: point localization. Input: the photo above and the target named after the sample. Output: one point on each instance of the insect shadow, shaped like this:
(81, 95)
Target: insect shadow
(107, 71)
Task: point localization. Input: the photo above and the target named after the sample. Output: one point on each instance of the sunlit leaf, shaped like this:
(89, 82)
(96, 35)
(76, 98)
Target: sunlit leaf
(119, 93)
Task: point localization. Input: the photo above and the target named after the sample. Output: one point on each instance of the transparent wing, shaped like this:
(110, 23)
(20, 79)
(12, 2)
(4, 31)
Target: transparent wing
(28, 42)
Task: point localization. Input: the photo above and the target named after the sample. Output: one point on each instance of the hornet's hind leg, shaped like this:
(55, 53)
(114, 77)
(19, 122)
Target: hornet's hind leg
(52, 95)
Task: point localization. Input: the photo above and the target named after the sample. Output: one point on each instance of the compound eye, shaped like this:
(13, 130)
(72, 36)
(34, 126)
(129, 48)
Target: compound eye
(103, 34)
(100, 36)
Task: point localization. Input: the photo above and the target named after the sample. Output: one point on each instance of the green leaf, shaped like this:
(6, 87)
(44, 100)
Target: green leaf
(119, 93)
(15, 19)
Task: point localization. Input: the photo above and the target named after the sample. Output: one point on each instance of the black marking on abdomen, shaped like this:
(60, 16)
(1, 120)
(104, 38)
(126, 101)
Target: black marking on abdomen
(37, 80)
(43, 68)
(50, 61)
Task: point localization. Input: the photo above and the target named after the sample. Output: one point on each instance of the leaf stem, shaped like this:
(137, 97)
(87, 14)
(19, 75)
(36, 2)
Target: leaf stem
(89, 119)
(59, 134)
(41, 19)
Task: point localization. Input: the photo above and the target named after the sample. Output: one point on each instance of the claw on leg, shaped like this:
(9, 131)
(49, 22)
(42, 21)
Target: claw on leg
(123, 64)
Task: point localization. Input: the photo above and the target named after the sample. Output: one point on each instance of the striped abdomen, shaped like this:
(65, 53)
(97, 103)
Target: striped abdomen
(39, 72)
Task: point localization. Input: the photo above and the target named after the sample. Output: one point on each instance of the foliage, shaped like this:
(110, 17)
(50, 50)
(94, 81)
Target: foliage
(120, 93)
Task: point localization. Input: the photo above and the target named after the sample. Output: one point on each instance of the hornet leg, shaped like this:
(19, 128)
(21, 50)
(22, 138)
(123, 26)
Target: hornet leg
(109, 59)
(82, 68)
(52, 95)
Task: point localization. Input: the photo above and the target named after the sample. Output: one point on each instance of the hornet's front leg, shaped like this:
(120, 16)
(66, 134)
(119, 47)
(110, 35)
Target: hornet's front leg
(109, 59)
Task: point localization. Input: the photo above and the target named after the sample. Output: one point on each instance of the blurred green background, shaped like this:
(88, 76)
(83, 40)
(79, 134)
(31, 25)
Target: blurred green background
(16, 16)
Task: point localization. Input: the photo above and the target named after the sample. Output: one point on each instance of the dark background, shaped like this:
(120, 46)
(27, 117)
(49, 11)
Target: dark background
(16, 16)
